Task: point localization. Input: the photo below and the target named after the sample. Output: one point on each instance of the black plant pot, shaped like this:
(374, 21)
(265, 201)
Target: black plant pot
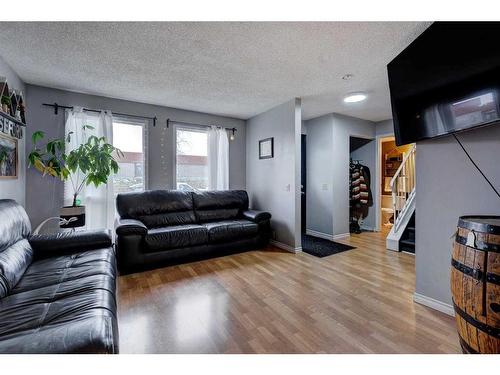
(75, 215)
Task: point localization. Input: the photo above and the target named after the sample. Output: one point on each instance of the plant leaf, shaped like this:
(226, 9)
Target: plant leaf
(37, 135)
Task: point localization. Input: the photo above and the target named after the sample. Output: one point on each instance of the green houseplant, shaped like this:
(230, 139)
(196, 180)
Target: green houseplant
(92, 162)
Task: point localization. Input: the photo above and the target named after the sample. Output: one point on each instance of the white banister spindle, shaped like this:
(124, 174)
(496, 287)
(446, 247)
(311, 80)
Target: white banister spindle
(403, 186)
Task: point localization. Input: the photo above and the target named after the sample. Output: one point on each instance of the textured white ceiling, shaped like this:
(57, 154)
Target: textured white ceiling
(234, 69)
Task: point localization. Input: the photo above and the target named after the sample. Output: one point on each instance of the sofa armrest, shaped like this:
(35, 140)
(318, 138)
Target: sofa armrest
(256, 216)
(130, 226)
(48, 245)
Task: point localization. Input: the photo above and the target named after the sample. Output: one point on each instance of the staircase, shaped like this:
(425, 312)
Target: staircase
(407, 240)
(402, 235)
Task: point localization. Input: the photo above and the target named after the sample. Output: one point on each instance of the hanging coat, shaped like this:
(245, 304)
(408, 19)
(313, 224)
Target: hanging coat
(361, 197)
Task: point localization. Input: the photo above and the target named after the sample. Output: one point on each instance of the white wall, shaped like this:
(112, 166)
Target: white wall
(274, 184)
(15, 188)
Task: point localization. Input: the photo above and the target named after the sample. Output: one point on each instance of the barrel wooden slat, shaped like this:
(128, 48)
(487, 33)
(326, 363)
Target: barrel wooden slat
(469, 282)
(475, 284)
(478, 288)
(494, 239)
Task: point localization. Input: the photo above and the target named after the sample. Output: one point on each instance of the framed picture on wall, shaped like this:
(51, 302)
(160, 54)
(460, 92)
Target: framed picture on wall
(266, 148)
(8, 157)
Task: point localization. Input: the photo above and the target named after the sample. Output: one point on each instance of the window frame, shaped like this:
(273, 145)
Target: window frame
(193, 128)
(145, 142)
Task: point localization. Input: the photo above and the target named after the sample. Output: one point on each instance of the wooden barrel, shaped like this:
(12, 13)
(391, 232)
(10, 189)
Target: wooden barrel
(475, 283)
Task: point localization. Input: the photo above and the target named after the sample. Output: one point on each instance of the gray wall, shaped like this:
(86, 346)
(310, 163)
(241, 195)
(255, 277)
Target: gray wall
(15, 188)
(319, 198)
(448, 186)
(45, 195)
(274, 184)
(343, 128)
(328, 164)
(368, 155)
(385, 127)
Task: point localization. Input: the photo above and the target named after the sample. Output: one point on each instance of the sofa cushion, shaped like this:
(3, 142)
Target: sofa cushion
(219, 205)
(52, 271)
(15, 251)
(175, 237)
(230, 230)
(71, 316)
(157, 208)
(67, 242)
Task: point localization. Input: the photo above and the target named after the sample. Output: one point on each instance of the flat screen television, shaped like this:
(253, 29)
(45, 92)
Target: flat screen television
(447, 80)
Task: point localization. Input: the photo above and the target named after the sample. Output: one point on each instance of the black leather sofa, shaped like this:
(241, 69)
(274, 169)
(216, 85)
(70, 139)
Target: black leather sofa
(161, 227)
(57, 292)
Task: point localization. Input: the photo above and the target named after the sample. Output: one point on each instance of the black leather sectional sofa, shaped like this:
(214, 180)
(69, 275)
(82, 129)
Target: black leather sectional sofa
(167, 226)
(57, 292)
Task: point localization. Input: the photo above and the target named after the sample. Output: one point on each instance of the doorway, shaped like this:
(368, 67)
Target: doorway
(362, 167)
(390, 158)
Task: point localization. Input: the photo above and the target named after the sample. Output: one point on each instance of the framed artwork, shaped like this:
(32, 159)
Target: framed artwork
(266, 148)
(8, 157)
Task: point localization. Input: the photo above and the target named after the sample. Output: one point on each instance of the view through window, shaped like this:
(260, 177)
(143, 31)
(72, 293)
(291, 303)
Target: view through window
(191, 159)
(129, 138)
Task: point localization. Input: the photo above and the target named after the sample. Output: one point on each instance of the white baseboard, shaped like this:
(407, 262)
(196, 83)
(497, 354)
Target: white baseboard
(433, 304)
(341, 235)
(286, 247)
(369, 229)
(315, 233)
(326, 236)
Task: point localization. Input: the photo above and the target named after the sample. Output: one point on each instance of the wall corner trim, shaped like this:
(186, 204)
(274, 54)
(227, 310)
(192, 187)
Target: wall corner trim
(433, 304)
(286, 247)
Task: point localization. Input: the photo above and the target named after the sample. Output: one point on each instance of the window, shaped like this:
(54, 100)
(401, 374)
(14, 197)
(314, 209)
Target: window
(129, 136)
(191, 159)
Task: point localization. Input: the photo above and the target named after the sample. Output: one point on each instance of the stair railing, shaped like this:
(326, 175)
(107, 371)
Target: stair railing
(403, 186)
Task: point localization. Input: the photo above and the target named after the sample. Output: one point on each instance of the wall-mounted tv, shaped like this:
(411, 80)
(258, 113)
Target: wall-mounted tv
(447, 80)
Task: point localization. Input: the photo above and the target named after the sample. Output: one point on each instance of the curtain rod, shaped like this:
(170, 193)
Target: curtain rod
(192, 123)
(57, 106)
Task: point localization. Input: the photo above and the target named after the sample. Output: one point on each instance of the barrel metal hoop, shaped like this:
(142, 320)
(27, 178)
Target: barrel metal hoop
(467, 222)
(492, 331)
(466, 270)
(493, 278)
(479, 245)
(466, 347)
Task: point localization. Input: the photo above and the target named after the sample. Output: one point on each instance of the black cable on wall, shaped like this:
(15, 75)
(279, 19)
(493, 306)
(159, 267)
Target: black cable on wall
(475, 165)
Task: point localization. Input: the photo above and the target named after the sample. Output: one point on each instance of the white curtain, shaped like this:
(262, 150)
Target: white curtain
(99, 202)
(218, 159)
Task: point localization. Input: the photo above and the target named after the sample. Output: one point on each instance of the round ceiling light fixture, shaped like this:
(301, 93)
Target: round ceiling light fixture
(355, 97)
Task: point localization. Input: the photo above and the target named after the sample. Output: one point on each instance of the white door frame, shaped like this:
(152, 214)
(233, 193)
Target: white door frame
(378, 192)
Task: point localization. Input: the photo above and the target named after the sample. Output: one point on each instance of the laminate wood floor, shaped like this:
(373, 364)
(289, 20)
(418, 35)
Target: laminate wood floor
(271, 301)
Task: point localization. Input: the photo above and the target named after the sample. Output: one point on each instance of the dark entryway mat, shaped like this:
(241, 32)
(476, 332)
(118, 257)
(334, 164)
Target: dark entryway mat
(321, 248)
